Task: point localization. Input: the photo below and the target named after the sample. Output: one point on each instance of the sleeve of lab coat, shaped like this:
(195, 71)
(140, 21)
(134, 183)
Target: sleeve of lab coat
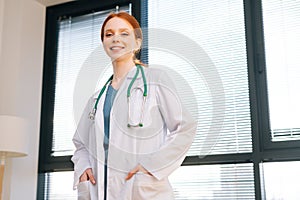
(182, 129)
(81, 140)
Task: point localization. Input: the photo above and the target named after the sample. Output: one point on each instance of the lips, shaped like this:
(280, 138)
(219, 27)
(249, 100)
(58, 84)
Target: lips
(116, 48)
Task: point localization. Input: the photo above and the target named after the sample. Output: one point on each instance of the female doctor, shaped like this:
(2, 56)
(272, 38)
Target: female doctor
(134, 132)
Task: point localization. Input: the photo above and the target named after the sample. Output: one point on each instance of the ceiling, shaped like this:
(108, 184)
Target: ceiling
(52, 2)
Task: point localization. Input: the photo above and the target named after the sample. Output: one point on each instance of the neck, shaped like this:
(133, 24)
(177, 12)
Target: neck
(121, 68)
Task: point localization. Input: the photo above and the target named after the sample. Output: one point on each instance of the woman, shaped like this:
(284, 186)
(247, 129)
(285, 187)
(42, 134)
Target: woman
(140, 132)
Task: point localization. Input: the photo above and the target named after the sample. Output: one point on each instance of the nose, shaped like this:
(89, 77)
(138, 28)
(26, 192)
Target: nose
(116, 38)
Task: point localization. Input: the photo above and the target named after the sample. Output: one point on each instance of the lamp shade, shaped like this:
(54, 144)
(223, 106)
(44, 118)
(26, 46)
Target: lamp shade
(13, 136)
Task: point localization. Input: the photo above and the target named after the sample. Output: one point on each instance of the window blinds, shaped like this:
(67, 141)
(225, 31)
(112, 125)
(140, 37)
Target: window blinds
(216, 182)
(282, 46)
(221, 36)
(58, 186)
(218, 28)
(77, 40)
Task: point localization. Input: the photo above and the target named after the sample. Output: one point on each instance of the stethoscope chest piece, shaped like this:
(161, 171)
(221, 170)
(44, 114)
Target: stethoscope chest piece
(92, 114)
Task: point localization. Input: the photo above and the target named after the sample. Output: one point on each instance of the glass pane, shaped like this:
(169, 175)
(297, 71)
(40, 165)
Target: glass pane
(282, 45)
(215, 27)
(282, 180)
(59, 185)
(230, 181)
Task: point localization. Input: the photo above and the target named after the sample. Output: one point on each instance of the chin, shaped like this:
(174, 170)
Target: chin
(119, 57)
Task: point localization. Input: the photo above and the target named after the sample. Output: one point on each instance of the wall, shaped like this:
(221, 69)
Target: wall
(22, 25)
(1, 23)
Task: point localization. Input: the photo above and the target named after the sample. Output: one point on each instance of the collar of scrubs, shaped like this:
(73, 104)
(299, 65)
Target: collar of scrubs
(129, 76)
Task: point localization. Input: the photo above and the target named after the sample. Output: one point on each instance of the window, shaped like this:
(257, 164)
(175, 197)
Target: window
(217, 29)
(228, 181)
(77, 39)
(282, 42)
(237, 59)
(55, 188)
(281, 180)
(222, 38)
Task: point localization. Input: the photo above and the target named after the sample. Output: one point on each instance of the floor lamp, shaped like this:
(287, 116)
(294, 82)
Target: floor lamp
(13, 141)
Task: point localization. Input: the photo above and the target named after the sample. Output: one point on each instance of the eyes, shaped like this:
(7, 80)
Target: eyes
(123, 34)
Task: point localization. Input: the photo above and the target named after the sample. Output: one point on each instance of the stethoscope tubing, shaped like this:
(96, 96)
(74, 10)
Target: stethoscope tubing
(92, 114)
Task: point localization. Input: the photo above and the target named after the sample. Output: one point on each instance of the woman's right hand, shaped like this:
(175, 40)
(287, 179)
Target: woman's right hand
(87, 175)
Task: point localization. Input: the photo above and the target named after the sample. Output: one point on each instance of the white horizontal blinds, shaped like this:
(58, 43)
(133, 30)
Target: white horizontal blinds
(78, 37)
(59, 185)
(229, 181)
(281, 21)
(217, 26)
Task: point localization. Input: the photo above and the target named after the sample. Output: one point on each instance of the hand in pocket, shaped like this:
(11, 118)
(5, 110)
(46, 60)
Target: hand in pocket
(138, 168)
(87, 175)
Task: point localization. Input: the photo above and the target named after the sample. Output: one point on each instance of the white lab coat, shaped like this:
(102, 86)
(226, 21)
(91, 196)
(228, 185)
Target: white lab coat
(159, 146)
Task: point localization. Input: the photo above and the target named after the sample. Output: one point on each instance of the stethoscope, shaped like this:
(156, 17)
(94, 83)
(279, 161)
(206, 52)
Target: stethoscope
(92, 114)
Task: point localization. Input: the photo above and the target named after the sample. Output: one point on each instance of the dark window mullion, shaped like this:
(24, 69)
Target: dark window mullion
(257, 86)
(219, 159)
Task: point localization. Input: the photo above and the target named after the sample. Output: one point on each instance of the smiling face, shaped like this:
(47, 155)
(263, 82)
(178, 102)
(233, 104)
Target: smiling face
(119, 40)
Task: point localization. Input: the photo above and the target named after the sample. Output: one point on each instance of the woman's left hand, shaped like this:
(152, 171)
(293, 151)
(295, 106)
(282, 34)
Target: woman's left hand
(138, 168)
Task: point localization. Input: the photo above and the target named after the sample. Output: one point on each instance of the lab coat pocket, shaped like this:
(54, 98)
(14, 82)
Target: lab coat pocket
(136, 106)
(118, 188)
(83, 190)
(148, 187)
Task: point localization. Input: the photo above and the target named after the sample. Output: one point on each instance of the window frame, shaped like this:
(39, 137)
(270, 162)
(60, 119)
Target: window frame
(263, 149)
(260, 96)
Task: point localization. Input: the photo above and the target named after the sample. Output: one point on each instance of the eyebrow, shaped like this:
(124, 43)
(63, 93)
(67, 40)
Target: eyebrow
(121, 29)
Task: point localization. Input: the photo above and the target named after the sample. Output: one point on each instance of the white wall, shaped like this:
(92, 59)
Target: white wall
(22, 25)
(1, 23)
